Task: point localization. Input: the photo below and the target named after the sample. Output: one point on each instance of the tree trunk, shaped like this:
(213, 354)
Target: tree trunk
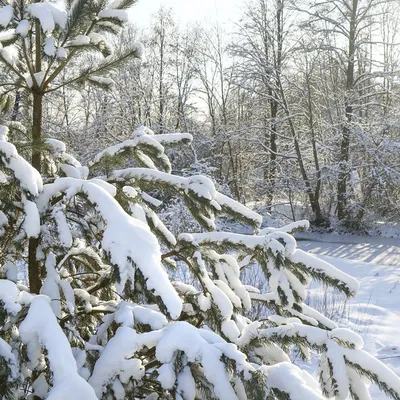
(319, 219)
(34, 273)
(274, 105)
(35, 282)
(314, 203)
(345, 142)
(271, 170)
(161, 121)
(15, 110)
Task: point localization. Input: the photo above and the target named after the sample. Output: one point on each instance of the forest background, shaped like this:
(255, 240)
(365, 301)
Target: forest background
(293, 107)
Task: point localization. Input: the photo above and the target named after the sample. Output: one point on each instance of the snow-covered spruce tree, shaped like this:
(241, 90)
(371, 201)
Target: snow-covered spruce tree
(110, 324)
(39, 44)
(98, 316)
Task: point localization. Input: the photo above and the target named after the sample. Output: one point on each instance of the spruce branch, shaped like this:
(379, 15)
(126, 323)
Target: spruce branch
(108, 66)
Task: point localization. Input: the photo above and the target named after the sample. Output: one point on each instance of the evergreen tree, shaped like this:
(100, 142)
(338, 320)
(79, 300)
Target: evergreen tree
(101, 317)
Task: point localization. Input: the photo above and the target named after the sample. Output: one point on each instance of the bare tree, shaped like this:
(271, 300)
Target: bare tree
(350, 21)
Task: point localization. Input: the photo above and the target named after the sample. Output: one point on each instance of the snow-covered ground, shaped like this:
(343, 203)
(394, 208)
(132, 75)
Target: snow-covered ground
(374, 312)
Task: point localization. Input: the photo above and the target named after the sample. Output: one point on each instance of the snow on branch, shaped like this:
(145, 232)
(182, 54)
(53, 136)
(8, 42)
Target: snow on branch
(198, 187)
(173, 138)
(48, 15)
(128, 241)
(10, 358)
(202, 346)
(30, 183)
(6, 14)
(343, 361)
(9, 296)
(145, 141)
(28, 177)
(40, 328)
(64, 162)
(279, 244)
(320, 269)
(293, 381)
(138, 141)
(116, 359)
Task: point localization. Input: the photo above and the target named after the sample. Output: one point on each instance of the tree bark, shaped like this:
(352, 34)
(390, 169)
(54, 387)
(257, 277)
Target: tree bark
(345, 142)
(319, 219)
(34, 272)
(161, 121)
(15, 110)
(314, 203)
(271, 170)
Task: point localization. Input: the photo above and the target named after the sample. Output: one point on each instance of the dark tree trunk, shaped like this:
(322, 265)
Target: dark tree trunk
(15, 110)
(271, 170)
(34, 272)
(345, 141)
(319, 219)
(314, 203)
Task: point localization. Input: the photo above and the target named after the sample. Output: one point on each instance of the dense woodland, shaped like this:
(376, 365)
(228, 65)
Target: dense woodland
(296, 106)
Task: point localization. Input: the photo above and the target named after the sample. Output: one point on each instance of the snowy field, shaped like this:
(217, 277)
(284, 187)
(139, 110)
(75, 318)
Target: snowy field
(374, 312)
